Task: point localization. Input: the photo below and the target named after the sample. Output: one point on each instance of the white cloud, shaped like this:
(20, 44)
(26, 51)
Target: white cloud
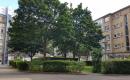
(100, 7)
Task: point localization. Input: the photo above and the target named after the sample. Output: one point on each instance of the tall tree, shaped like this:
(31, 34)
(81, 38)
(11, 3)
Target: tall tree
(63, 31)
(86, 30)
(24, 35)
(47, 14)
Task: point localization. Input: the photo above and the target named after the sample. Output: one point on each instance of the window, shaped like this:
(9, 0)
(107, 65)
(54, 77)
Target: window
(116, 26)
(107, 46)
(107, 19)
(116, 46)
(107, 28)
(117, 35)
(1, 37)
(117, 15)
(1, 18)
(2, 31)
(122, 44)
(1, 25)
(108, 37)
(1, 48)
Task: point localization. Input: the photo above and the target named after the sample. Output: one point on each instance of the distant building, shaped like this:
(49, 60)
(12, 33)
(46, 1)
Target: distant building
(4, 24)
(116, 29)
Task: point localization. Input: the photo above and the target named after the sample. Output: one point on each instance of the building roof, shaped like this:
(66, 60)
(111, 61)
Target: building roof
(2, 15)
(114, 12)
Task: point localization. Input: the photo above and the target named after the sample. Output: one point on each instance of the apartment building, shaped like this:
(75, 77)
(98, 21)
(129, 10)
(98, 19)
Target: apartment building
(4, 24)
(116, 30)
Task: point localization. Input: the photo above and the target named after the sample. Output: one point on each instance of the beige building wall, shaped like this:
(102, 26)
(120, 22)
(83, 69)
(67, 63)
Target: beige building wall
(114, 30)
(2, 27)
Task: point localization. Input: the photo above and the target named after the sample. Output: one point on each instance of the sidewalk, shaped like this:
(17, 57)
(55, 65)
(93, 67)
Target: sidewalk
(7, 70)
(15, 79)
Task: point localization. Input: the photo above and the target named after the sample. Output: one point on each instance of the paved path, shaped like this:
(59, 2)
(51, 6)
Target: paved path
(7, 73)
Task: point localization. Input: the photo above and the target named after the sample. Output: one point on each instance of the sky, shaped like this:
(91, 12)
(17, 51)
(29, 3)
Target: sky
(97, 7)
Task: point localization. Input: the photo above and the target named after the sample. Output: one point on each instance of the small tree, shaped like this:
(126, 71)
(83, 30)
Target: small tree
(96, 59)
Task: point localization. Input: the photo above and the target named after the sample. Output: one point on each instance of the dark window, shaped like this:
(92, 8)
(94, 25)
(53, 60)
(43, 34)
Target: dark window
(126, 33)
(2, 30)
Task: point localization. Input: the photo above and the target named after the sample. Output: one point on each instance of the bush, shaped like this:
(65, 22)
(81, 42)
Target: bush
(116, 67)
(96, 60)
(57, 58)
(88, 63)
(13, 64)
(36, 65)
(57, 66)
(54, 66)
(22, 65)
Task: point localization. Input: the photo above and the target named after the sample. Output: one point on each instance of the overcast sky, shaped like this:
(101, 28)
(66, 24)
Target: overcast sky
(97, 7)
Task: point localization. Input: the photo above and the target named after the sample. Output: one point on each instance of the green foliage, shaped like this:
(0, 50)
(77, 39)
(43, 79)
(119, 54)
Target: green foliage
(116, 67)
(87, 32)
(96, 59)
(23, 66)
(13, 64)
(42, 25)
(20, 65)
(88, 63)
(24, 34)
(87, 69)
(57, 58)
(57, 66)
(53, 66)
(63, 31)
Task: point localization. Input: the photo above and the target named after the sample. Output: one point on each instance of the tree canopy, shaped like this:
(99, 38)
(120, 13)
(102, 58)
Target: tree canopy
(41, 23)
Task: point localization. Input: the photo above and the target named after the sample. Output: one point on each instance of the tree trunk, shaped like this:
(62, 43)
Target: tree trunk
(74, 55)
(31, 58)
(44, 54)
(44, 48)
(79, 57)
(64, 55)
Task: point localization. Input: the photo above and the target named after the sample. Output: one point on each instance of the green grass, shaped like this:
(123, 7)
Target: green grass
(87, 69)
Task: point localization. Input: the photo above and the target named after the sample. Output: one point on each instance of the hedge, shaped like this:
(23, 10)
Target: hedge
(20, 65)
(57, 58)
(88, 63)
(116, 67)
(57, 66)
(23, 65)
(13, 64)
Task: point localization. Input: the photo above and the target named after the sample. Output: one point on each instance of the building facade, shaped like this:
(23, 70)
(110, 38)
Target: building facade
(116, 30)
(4, 25)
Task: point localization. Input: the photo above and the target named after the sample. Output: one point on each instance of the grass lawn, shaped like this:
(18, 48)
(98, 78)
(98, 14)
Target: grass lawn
(87, 69)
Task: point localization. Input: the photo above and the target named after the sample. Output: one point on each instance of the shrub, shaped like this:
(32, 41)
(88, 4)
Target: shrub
(57, 58)
(76, 66)
(88, 63)
(23, 65)
(56, 66)
(96, 60)
(116, 67)
(13, 64)
(36, 65)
